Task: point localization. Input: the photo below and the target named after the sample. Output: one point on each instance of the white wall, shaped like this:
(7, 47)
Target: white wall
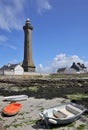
(18, 70)
(1, 72)
(8, 72)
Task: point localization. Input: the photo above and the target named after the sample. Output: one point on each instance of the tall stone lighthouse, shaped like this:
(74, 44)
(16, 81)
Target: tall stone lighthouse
(28, 64)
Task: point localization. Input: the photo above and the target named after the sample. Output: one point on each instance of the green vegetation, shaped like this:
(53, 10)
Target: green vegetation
(71, 125)
(81, 127)
(77, 96)
(30, 76)
(17, 125)
(33, 121)
(21, 113)
(7, 126)
(24, 122)
(67, 76)
(86, 116)
(1, 119)
(40, 108)
(68, 127)
(26, 88)
(33, 89)
(53, 129)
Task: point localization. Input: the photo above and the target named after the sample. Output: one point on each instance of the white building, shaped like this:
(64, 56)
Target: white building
(76, 68)
(12, 69)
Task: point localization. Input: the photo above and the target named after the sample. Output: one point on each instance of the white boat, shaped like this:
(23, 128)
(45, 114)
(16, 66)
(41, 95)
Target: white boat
(16, 98)
(62, 114)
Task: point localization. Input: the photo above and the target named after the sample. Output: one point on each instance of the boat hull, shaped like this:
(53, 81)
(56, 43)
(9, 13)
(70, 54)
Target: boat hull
(64, 114)
(11, 109)
(16, 98)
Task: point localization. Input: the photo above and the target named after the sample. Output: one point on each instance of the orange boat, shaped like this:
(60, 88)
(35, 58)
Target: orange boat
(12, 109)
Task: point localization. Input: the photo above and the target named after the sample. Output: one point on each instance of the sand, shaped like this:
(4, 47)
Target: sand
(28, 117)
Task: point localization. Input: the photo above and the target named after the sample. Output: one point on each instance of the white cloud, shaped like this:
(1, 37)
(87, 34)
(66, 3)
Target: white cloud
(3, 42)
(10, 14)
(43, 5)
(10, 46)
(13, 12)
(14, 61)
(43, 69)
(60, 61)
(3, 38)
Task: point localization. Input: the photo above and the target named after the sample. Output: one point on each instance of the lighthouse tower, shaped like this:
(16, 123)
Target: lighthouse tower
(28, 64)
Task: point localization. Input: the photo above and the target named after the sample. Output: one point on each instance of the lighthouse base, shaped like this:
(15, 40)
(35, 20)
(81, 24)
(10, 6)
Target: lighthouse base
(29, 69)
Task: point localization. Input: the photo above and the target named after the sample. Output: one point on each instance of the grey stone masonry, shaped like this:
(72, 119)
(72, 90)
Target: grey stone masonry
(28, 64)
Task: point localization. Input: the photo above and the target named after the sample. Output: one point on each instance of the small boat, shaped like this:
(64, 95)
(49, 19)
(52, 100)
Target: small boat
(12, 109)
(62, 114)
(16, 98)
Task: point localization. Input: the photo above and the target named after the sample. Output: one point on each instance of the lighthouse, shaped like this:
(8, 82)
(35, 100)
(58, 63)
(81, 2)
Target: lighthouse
(28, 64)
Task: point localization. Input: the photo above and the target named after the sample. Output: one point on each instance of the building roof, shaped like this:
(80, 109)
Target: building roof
(78, 66)
(8, 67)
(61, 70)
(75, 68)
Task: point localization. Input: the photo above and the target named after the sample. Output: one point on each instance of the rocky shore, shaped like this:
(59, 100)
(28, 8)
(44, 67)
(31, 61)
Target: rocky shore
(44, 87)
(43, 93)
(68, 86)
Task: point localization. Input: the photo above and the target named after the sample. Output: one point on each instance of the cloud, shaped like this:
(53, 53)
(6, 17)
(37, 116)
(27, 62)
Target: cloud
(14, 61)
(43, 5)
(60, 61)
(10, 46)
(11, 14)
(3, 42)
(3, 38)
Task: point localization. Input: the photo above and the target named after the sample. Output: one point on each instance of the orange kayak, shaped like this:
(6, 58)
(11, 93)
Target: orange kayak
(12, 109)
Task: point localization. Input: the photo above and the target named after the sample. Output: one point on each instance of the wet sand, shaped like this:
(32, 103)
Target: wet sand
(28, 117)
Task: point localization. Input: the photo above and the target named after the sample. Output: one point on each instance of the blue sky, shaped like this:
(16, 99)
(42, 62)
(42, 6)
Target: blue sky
(60, 34)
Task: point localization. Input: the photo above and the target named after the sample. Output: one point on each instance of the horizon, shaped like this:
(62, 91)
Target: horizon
(59, 36)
